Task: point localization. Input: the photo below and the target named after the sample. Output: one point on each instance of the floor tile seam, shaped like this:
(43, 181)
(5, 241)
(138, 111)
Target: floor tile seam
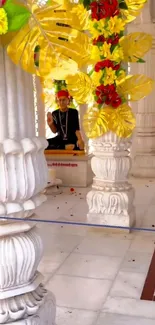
(129, 315)
(85, 254)
(107, 295)
(97, 318)
(82, 277)
(133, 271)
(57, 269)
(140, 252)
(102, 255)
(78, 308)
(128, 298)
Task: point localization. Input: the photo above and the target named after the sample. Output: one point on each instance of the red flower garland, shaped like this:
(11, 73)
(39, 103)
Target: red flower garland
(104, 8)
(108, 95)
(99, 10)
(106, 64)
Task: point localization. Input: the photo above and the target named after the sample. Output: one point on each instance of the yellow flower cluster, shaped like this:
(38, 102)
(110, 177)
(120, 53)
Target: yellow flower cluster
(106, 27)
(3, 22)
(104, 51)
(108, 78)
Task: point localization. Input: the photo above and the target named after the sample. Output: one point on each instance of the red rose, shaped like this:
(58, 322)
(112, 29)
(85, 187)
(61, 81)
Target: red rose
(98, 66)
(116, 100)
(100, 39)
(100, 101)
(113, 7)
(116, 67)
(104, 8)
(108, 8)
(94, 10)
(108, 95)
(113, 41)
(103, 64)
(105, 94)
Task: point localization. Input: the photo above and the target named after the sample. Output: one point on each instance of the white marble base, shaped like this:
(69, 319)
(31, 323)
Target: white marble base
(112, 220)
(74, 171)
(54, 187)
(111, 208)
(45, 315)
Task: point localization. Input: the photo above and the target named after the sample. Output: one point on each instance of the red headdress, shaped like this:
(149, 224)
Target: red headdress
(62, 93)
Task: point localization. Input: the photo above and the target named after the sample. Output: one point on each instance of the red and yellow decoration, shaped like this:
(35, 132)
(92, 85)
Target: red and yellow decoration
(50, 41)
(108, 81)
(46, 39)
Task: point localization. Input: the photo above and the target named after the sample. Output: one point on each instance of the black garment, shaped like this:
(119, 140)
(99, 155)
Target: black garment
(67, 123)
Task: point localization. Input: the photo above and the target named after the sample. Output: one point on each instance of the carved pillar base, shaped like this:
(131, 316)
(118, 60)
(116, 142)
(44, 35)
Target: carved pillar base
(110, 201)
(23, 299)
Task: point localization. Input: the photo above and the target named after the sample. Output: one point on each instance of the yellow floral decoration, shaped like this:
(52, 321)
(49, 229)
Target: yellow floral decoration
(112, 88)
(3, 22)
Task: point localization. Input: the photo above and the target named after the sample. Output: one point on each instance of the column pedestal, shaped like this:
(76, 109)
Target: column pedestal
(110, 201)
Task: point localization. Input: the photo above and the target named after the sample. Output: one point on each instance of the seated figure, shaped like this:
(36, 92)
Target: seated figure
(64, 122)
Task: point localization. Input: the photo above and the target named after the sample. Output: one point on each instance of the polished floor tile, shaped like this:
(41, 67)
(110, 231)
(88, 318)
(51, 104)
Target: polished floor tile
(75, 317)
(136, 262)
(130, 307)
(91, 266)
(54, 242)
(128, 284)
(50, 263)
(139, 245)
(104, 246)
(92, 269)
(115, 319)
(79, 292)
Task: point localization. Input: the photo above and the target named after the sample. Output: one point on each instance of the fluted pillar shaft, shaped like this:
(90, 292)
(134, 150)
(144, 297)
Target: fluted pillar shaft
(23, 176)
(143, 148)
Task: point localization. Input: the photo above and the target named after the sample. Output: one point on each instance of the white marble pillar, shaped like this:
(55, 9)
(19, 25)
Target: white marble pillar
(23, 176)
(40, 107)
(143, 148)
(110, 200)
(82, 112)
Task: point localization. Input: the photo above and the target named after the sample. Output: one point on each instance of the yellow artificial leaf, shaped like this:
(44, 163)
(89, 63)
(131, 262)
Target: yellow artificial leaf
(61, 71)
(121, 121)
(134, 9)
(95, 122)
(83, 15)
(48, 99)
(80, 86)
(135, 46)
(56, 32)
(47, 83)
(136, 87)
(7, 38)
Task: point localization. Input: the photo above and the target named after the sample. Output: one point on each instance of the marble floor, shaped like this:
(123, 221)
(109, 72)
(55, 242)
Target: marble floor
(97, 275)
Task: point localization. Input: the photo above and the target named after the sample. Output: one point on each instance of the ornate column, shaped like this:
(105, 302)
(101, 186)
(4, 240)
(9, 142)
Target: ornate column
(23, 176)
(143, 149)
(110, 201)
(39, 107)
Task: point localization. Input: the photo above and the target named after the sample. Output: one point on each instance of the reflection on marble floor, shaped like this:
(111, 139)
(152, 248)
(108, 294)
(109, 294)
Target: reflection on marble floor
(97, 276)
